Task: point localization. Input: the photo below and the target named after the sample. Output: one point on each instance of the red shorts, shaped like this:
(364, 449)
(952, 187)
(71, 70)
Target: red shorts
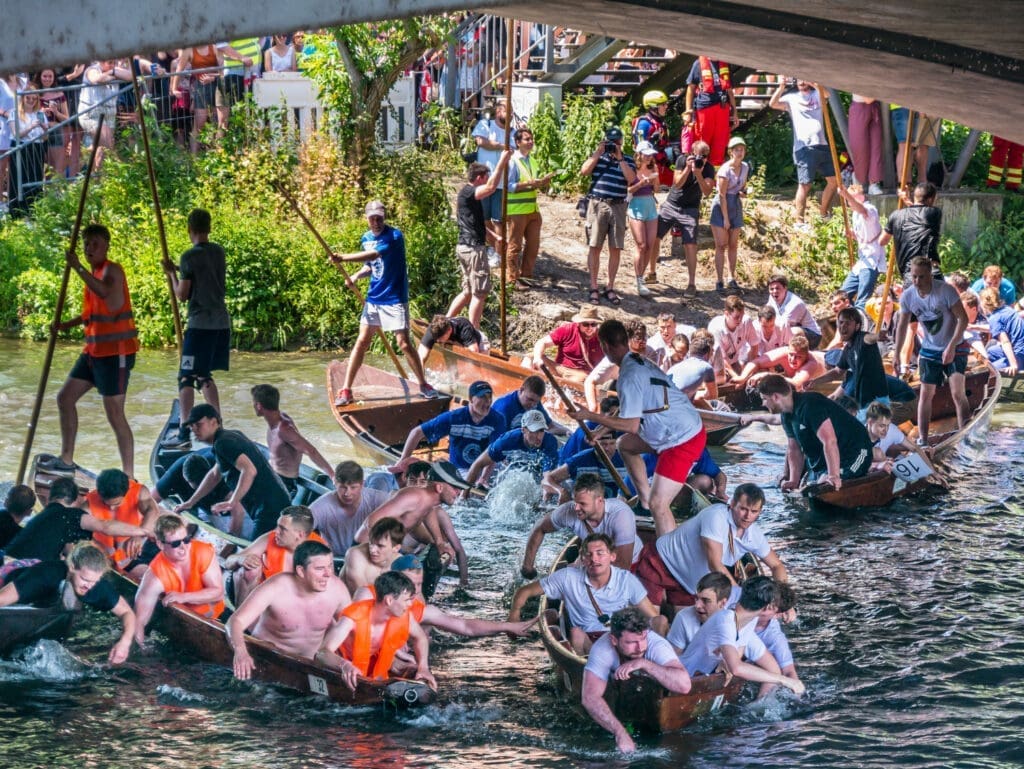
(658, 580)
(677, 462)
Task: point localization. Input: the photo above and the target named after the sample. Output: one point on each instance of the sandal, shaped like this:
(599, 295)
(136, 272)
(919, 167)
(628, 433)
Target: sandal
(611, 296)
(595, 296)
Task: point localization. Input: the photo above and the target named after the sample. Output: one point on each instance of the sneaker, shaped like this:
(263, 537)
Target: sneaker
(641, 289)
(691, 291)
(719, 286)
(180, 439)
(733, 285)
(493, 258)
(875, 189)
(651, 277)
(344, 397)
(60, 467)
(428, 392)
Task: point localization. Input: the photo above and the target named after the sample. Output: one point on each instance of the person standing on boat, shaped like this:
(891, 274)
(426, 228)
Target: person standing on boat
(821, 434)
(656, 417)
(185, 572)
(529, 396)
(206, 346)
(292, 609)
(257, 494)
(629, 647)
(469, 429)
(936, 306)
(111, 341)
(530, 446)
(76, 582)
(286, 444)
(387, 300)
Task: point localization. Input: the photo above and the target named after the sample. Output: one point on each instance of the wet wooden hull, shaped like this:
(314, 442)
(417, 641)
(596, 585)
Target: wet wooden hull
(1013, 389)
(878, 489)
(24, 625)
(640, 700)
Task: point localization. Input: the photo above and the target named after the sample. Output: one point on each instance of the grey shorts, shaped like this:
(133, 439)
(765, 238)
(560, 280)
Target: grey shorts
(685, 219)
(389, 317)
(606, 219)
(476, 272)
(811, 161)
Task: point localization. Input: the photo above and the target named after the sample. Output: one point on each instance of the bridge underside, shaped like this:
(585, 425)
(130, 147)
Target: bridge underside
(960, 61)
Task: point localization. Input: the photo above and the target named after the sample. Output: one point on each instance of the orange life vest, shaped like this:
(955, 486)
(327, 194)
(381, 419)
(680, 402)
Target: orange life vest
(126, 512)
(707, 75)
(274, 560)
(200, 555)
(356, 648)
(108, 332)
(417, 608)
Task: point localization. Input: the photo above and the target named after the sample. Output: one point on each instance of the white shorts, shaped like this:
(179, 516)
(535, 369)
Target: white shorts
(389, 317)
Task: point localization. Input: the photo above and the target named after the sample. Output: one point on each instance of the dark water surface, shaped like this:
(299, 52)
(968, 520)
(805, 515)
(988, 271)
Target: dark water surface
(910, 636)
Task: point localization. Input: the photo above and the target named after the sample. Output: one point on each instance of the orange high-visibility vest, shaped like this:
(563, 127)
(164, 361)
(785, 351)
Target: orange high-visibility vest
(356, 648)
(707, 75)
(274, 561)
(200, 555)
(126, 512)
(108, 332)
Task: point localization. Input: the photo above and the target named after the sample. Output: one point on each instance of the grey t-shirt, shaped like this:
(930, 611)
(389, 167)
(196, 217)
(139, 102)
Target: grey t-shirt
(204, 265)
(933, 312)
(335, 525)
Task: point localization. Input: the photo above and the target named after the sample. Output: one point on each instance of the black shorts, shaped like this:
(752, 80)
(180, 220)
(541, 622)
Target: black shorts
(230, 90)
(685, 220)
(933, 372)
(109, 374)
(204, 351)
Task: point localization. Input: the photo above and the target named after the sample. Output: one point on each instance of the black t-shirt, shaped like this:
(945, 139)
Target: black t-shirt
(173, 484)
(42, 585)
(463, 334)
(469, 213)
(204, 265)
(9, 528)
(810, 410)
(915, 231)
(690, 194)
(46, 533)
(267, 492)
(865, 380)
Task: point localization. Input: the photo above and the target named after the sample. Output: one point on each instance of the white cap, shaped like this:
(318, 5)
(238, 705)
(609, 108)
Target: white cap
(534, 421)
(646, 148)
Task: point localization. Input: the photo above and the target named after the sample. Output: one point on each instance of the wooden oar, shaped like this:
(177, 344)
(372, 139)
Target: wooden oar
(509, 114)
(826, 119)
(891, 268)
(59, 309)
(283, 192)
(598, 448)
(175, 310)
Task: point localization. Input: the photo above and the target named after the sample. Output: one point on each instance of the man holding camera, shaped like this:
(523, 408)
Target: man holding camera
(693, 179)
(611, 174)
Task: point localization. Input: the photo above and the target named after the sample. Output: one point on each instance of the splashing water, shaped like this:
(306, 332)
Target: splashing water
(45, 660)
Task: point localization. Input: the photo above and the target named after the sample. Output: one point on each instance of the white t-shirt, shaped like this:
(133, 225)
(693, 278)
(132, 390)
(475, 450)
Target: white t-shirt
(805, 111)
(793, 312)
(691, 372)
(735, 345)
(619, 523)
(335, 525)
(684, 556)
(703, 655)
(570, 585)
(894, 436)
(867, 230)
(684, 628)
(489, 129)
(645, 391)
(604, 659)
(776, 642)
(930, 310)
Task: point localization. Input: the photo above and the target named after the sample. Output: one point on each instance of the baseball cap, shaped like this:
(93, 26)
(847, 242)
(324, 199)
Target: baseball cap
(736, 141)
(480, 387)
(533, 421)
(446, 472)
(613, 134)
(407, 562)
(375, 208)
(646, 148)
(202, 411)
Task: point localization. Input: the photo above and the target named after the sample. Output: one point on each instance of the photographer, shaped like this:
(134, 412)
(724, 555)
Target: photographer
(693, 179)
(611, 175)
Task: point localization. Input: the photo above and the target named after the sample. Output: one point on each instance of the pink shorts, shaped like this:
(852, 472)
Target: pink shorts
(675, 463)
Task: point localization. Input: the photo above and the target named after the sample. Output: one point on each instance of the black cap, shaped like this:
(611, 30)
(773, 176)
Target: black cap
(613, 134)
(446, 472)
(202, 411)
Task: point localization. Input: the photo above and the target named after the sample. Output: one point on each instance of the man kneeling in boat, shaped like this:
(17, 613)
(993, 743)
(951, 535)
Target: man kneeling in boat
(370, 632)
(185, 572)
(291, 610)
(630, 647)
(729, 635)
(272, 552)
(591, 593)
(79, 582)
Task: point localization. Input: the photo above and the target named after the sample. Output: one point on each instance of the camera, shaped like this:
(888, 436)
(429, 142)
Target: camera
(610, 147)
(698, 161)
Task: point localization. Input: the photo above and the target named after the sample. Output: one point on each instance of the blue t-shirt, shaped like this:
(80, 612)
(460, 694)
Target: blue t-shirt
(509, 407)
(576, 443)
(1005, 320)
(587, 461)
(389, 282)
(466, 439)
(511, 448)
(1007, 290)
(706, 465)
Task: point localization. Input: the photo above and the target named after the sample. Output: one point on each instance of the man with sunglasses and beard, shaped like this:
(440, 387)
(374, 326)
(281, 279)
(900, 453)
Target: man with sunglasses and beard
(184, 572)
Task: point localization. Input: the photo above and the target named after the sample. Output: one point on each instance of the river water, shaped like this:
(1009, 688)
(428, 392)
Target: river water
(909, 636)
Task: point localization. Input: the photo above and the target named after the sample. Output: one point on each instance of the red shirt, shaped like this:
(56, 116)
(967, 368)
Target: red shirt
(573, 350)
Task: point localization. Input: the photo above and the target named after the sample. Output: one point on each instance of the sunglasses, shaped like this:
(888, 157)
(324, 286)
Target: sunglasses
(176, 543)
(589, 324)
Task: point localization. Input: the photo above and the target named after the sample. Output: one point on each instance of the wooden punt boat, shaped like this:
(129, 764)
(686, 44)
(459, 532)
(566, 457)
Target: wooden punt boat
(207, 639)
(640, 700)
(24, 625)
(877, 489)
(1013, 389)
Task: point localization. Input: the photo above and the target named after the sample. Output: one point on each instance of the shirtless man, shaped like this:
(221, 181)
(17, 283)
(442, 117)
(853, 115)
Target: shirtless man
(286, 444)
(370, 632)
(185, 572)
(272, 552)
(291, 610)
(365, 562)
(799, 365)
